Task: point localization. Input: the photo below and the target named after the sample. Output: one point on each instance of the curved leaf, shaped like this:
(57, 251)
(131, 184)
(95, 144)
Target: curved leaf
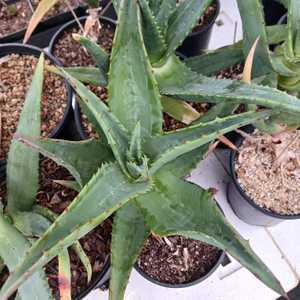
(106, 123)
(64, 275)
(82, 159)
(22, 161)
(99, 55)
(13, 248)
(106, 192)
(182, 22)
(152, 36)
(43, 7)
(168, 147)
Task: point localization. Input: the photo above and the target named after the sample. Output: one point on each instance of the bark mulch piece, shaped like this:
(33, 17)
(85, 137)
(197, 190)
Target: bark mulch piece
(268, 170)
(16, 72)
(177, 260)
(14, 17)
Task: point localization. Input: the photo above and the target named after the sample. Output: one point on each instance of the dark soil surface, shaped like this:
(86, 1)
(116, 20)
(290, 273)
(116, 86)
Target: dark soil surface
(207, 17)
(177, 260)
(14, 17)
(16, 72)
(72, 54)
(96, 244)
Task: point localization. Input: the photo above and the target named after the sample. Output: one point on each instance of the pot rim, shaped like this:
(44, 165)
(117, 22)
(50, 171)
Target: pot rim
(188, 284)
(233, 155)
(17, 48)
(210, 24)
(57, 35)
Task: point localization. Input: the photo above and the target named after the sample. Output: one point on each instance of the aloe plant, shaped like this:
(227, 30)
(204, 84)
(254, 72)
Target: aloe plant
(135, 170)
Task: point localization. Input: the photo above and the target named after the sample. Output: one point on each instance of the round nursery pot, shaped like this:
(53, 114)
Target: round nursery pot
(273, 11)
(197, 41)
(220, 260)
(243, 206)
(7, 49)
(69, 26)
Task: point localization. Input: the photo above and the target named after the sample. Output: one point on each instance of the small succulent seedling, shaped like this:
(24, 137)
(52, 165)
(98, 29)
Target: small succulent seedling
(135, 170)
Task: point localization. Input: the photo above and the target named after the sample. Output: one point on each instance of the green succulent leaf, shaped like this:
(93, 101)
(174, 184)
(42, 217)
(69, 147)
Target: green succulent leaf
(106, 124)
(107, 191)
(51, 216)
(292, 45)
(165, 11)
(213, 61)
(135, 149)
(254, 27)
(276, 34)
(176, 207)
(84, 259)
(22, 161)
(182, 21)
(129, 232)
(153, 39)
(206, 89)
(64, 275)
(180, 110)
(82, 159)
(133, 92)
(31, 224)
(13, 248)
(87, 75)
(99, 55)
(168, 147)
(155, 5)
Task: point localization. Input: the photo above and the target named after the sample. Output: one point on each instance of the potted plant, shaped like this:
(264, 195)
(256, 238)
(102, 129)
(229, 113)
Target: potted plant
(140, 181)
(25, 218)
(256, 193)
(16, 70)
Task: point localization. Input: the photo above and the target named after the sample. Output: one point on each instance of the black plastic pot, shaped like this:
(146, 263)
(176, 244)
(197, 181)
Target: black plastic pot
(56, 37)
(7, 49)
(273, 11)
(243, 206)
(198, 41)
(100, 282)
(222, 259)
(44, 31)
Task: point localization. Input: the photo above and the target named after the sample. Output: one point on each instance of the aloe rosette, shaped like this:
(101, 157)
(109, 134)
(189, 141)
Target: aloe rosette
(134, 170)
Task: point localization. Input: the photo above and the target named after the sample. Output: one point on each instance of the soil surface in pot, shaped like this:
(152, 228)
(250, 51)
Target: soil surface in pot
(60, 7)
(268, 170)
(14, 17)
(177, 260)
(206, 18)
(96, 244)
(16, 72)
(72, 54)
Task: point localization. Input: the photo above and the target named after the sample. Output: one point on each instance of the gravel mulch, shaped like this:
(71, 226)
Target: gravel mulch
(14, 17)
(268, 170)
(16, 72)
